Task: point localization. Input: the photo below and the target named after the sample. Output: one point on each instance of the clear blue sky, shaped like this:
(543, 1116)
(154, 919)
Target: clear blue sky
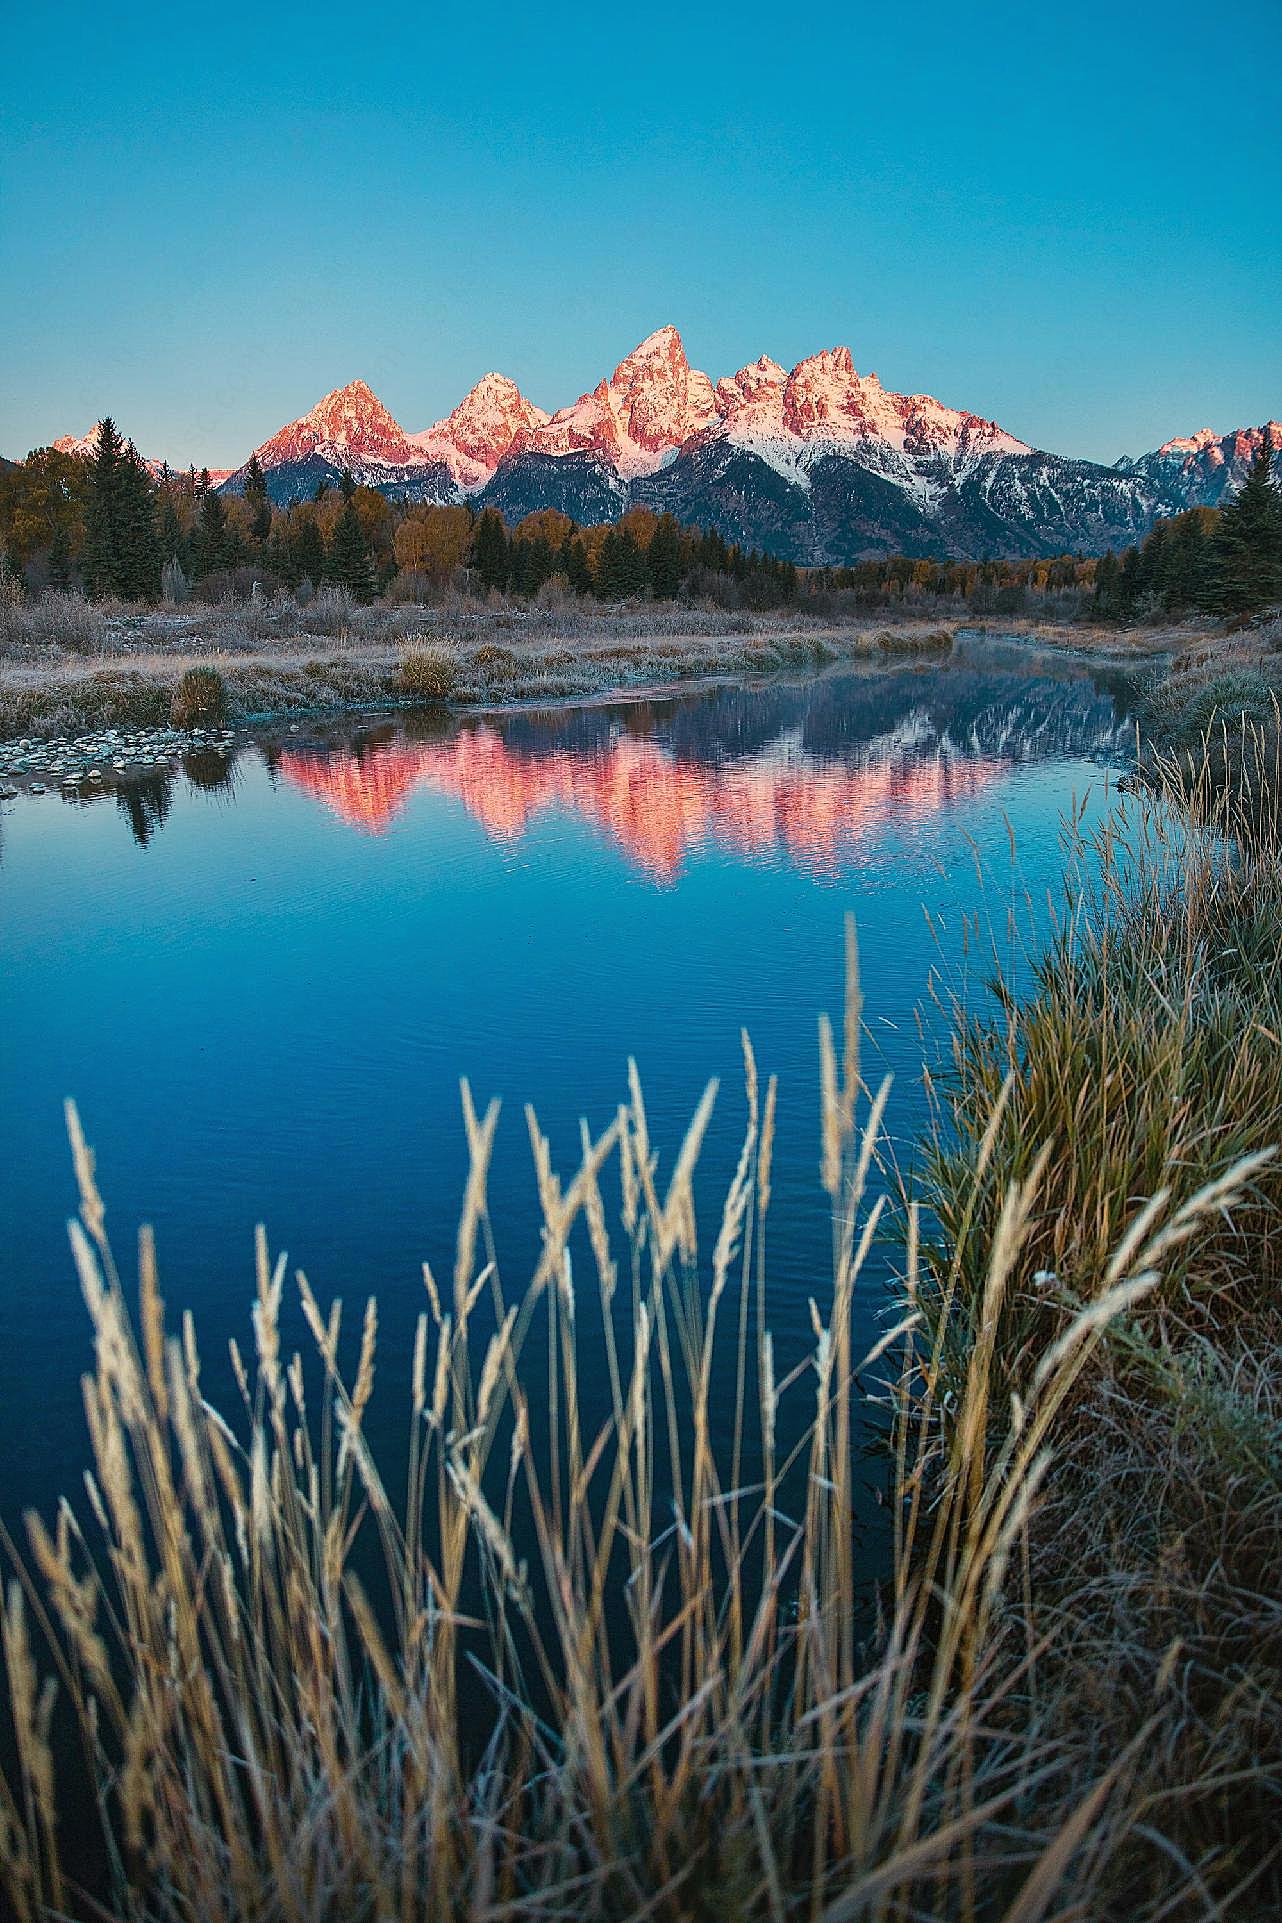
(1067, 217)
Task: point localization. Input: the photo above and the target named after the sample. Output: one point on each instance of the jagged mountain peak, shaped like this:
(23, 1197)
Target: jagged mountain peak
(664, 348)
(652, 404)
(347, 428)
(493, 417)
(352, 414)
(84, 446)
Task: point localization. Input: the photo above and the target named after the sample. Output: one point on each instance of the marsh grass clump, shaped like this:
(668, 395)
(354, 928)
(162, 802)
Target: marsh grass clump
(199, 699)
(915, 640)
(1146, 1051)
(429, 673)
(1216, 720)
(1143, 1063)
(51, 622)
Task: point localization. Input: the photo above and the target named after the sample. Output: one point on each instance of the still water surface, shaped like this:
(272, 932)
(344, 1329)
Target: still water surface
(262, 975)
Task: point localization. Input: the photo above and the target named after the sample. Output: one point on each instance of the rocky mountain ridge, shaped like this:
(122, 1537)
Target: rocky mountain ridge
(819, 463)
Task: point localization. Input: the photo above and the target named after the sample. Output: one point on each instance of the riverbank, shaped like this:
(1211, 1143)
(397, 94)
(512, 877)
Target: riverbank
(414, 664)
(1144, 1062)
(68, 668)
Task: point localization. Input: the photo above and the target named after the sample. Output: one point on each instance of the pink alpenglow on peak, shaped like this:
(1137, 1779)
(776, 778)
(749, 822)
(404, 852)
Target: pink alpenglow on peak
(652, 404)
(1237, 449)
(826, 400)
(349, 426)
(486, 426)
(80, 444)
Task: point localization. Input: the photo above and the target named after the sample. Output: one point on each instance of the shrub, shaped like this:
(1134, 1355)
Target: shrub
(490, 655)
(200, 699)
(331, 611)
(55, 620)
(914, 640)
(429, 674)
(174, 585)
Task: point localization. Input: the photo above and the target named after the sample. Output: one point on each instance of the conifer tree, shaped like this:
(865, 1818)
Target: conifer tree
(1246, 562)
(308, 552)
(214, 545)
(622, 573)
(665, 558)
(103, 513)
(257, 501)
(574, 565)
(490, 555)
(60, 558)
(349, 556)
(1187, 575)
(140, 557)
(173, 538)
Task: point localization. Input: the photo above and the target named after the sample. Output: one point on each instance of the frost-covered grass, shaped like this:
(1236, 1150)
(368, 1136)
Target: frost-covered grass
(1217, 712)
(1143, 1063)
(276, 657)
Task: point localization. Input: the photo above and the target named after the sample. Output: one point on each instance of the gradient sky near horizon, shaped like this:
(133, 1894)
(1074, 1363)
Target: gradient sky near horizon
(1066, 218)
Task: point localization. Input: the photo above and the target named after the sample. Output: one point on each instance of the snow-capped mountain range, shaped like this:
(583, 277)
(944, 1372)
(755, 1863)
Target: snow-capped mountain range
(820, 464)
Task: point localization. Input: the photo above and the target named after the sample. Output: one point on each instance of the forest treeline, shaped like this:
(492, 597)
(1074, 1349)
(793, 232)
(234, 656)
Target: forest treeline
(109, 526)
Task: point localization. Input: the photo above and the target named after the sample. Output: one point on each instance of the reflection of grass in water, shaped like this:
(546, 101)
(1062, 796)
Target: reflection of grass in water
(682, 1723)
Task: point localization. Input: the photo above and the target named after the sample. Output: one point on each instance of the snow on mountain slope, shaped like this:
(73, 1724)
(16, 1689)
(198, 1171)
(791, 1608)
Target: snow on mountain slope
(652, 404)
(1200, 469)
(481, 431)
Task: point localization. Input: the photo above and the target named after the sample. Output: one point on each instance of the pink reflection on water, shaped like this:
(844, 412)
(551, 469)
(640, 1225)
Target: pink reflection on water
(655, 805)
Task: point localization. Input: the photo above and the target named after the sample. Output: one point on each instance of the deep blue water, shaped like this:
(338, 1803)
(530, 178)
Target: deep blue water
(262, 976)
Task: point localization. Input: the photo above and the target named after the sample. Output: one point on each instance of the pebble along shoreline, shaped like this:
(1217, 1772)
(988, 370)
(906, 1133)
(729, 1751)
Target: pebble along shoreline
(32, 765)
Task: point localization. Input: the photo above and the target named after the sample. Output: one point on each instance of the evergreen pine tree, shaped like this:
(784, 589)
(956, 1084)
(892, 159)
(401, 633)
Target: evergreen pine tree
(308, 552)
(1106, 570)
(1247, 546)
(173, 538)
(665, 558)
(622, 573)
(1129, 585)
(103, 513)
(212, 544)
(60, 559)
(257, 501)
(574, 565)
(490, 550)
(140, 556)
(1155, 570)
(349, 556)
(1186, 584)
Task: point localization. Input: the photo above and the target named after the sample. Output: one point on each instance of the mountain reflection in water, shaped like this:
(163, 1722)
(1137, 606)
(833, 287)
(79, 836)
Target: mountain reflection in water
(655, 806)
(789, 774)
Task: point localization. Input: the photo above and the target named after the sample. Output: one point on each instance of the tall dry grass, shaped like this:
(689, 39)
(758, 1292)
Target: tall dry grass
(272, 1660)
(1144, 1053)
(1144, 1060)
